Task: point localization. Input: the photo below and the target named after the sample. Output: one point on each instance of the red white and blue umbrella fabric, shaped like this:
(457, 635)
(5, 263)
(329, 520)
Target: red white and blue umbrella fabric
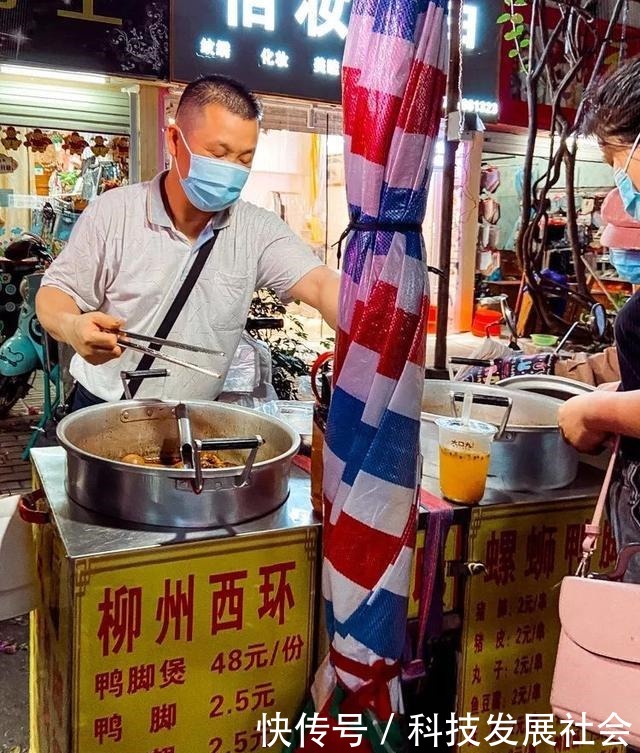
(393, 88)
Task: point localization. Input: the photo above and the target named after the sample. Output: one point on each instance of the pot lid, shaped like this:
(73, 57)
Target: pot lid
(557, 387)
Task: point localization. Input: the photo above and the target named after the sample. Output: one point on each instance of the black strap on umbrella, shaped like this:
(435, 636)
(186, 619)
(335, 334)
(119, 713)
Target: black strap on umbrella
(376, 226)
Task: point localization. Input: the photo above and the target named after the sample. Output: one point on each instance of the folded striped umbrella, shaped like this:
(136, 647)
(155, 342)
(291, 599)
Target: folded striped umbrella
(393, 88)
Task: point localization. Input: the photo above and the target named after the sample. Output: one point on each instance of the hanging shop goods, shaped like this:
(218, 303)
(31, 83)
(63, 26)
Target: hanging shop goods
(74, 143)
(37, 141)
(7, 164)
(10, 141)
(52, 167)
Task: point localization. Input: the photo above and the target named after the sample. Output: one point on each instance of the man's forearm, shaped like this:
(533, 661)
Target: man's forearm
(614, 413)
(54, 309)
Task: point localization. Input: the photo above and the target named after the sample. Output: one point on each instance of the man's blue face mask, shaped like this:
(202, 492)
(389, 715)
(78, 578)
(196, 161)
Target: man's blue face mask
(212, 184)
(628, 193)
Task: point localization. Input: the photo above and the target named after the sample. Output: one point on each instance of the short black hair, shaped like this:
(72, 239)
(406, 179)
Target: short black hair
(613, 105)
(222, 90)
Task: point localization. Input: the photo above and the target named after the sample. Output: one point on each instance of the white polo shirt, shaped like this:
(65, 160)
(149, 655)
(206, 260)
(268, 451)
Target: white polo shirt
(125, 258)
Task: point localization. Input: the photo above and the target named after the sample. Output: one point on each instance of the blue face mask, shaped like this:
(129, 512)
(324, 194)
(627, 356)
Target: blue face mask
(628, 193)
(627, 264)
(212, 184)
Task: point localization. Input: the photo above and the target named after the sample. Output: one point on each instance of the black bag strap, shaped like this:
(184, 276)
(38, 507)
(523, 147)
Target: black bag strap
(176, 307)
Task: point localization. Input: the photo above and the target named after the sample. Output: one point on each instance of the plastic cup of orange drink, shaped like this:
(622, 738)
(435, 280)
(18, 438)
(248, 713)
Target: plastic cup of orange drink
(465, 452)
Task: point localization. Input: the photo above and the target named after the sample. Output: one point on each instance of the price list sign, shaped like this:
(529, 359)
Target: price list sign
(186, 650)
(511, 625)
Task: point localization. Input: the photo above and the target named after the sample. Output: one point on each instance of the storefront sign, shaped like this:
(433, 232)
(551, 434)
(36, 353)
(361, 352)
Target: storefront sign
(511, 624)
(274, 46)
(295, 47)
(186, 649)
(105, 36)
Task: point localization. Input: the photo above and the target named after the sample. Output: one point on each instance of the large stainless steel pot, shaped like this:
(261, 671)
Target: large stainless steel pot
(98, 437)
(530, 454)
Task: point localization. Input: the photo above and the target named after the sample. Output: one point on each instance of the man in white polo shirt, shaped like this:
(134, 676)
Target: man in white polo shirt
(133, 247)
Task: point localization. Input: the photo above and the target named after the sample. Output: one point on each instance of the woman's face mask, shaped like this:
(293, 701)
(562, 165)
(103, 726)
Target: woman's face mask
(212, 184)
(628, 193)
(627, 264)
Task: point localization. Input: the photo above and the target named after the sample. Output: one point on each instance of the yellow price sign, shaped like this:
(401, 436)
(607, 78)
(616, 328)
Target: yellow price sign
(186, 649)
(511, 625)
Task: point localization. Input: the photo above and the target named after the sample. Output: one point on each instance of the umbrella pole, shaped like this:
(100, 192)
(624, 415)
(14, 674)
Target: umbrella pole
(448, 182)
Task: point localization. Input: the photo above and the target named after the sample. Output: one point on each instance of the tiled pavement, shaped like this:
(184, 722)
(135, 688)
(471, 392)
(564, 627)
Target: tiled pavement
(15, 473)
(15, 476)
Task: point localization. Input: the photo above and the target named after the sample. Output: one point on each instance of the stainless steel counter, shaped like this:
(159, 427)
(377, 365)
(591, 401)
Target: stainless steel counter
(587, 485)
(85, 534)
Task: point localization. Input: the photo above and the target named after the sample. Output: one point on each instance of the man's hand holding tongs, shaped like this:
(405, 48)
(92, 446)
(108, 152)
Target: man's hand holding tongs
(94, 336)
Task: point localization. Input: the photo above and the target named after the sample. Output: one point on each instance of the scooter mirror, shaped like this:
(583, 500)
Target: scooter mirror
(598, 320)
(19, 250)
(26, 247)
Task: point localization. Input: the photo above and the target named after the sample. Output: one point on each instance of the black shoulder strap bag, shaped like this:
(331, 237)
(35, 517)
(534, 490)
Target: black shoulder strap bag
(174, 310)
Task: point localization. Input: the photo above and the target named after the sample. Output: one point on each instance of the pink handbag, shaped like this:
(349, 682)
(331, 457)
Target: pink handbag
(597, 669)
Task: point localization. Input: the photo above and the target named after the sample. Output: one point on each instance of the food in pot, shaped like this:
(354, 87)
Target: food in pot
(134, 459)
(209, 460)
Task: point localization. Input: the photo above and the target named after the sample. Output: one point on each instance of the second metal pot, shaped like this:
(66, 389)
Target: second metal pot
(530, 455)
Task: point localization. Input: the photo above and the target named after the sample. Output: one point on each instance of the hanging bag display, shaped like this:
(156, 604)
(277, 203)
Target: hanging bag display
(597, 669)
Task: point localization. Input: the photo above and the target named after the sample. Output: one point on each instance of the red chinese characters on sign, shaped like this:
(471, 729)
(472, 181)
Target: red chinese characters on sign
(292, 648)
(109, 682)
(227, 601)
(163, 717)
(141, 677)
(277, 596)
(173, 672)
(175, 609)
(541, 552)
(257, 656)
(608, 551)
(121, 619)
(574, 536)
(108, 726)
(170, 749)
(500, 557)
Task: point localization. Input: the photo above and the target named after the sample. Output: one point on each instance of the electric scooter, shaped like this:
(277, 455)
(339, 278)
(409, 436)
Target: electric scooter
(29, 349)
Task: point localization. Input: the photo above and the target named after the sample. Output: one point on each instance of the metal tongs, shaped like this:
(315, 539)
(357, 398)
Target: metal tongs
(125, 339)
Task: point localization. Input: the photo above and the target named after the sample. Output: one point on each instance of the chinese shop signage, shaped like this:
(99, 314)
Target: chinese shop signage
(103, 36)
(290, 47)
(295, 47)
(188, 655)
(511, 628)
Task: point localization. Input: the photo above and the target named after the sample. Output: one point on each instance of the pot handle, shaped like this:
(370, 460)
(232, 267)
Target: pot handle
(318, 363)
(220, 444)
(125, 376)
(495, 400)
(459, 361)
(28, 508)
